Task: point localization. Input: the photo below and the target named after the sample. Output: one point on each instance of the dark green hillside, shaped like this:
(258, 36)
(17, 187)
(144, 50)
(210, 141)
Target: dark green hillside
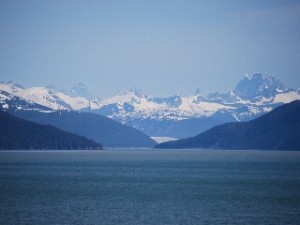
(98, 128)
(16, 133)
(277, 130)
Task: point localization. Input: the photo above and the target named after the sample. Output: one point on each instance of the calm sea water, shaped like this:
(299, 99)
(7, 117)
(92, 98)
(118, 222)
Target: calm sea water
(149, 187)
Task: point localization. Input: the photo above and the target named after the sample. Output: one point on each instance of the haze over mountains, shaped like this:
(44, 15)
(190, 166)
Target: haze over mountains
(96, 127)
(174, 116)
(41, 105)
(19, 134)
(276, 130)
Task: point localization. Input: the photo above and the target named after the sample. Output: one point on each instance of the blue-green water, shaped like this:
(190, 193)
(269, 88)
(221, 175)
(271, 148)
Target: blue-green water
(149, 187)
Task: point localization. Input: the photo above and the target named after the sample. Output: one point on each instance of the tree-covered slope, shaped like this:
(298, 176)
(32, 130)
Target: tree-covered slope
(96, 127)
(16, 133)
(278, 130)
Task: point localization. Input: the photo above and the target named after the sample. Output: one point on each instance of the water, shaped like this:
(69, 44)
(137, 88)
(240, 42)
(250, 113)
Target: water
(149, 187)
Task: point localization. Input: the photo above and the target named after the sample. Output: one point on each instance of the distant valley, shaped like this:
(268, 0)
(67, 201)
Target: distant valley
(276, 130)
(96, 127)
(174, 117)
(130, 118)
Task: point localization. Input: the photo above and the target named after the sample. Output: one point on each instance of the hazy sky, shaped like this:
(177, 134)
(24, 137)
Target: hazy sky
(163, 47)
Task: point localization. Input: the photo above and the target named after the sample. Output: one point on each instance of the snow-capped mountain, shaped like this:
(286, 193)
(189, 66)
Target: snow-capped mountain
(48, 97)
(252, 96)
(256, 90)
(12, 102)
(174, 116)
(179, 117)
(134, 104)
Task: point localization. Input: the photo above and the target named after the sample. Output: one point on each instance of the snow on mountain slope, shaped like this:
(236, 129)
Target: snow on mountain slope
(4, 97)
(11, 88)
(75, 103)
(45, 97)
(48, 97)
(10, 102)
(191, 106)
(134, 104)
(39, 95)
(287, 97)
(78, 103)
(252, 96)
(173, 116)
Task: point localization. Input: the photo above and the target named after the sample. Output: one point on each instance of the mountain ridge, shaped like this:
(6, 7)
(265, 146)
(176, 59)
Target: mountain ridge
(251, 97)
(19, 134)
(276, 130)
(95, 127)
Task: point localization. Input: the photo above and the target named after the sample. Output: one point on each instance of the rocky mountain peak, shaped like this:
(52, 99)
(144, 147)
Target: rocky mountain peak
(249, 88)
(80, 90)
(136, 91)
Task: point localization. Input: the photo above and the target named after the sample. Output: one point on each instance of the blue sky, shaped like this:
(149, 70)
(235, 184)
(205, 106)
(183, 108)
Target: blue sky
(163, 47)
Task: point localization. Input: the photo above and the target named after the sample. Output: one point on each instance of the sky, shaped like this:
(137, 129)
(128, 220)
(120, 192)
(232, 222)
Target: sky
(162, 47)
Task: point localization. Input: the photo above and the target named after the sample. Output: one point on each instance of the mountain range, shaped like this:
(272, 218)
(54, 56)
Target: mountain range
(276, 130)
(19, 134)
(174, 116)
(95, 127)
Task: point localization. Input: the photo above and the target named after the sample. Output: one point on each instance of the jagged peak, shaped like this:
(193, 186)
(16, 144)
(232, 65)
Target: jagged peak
(198, 91)
(257, 76)
(247, 76)
(260, 77)
(12, 84)
(135, 91)
(271, 76)
(258, 85)
(80, 89)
